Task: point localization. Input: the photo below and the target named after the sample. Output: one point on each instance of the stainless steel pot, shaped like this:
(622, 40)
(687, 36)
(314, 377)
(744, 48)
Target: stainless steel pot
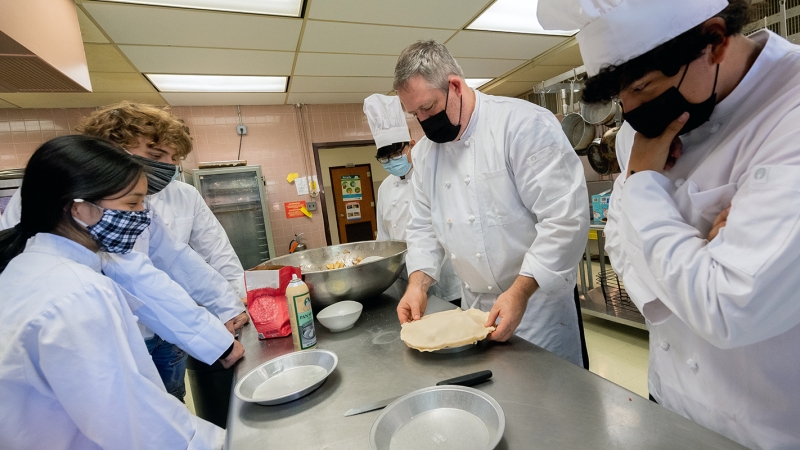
(352, 282)
(599, 113)
(579, 133)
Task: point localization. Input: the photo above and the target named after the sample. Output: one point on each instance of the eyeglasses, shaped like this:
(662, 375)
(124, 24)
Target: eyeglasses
(393, 157)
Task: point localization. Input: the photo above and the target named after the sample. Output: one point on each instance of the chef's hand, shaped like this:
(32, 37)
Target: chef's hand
(235, 355)
(660, 153)
(415, 300)
(719, 223)
(237, 322)
(510, 306)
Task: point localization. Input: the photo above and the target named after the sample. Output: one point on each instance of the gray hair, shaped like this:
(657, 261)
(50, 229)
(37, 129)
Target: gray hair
(428, 59)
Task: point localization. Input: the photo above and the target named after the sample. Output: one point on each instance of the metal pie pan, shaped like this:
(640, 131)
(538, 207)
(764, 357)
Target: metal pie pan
(441, 418)
(291, 376)
(459, 349)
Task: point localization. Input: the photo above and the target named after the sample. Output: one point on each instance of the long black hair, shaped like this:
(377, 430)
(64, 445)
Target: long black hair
(61, 170)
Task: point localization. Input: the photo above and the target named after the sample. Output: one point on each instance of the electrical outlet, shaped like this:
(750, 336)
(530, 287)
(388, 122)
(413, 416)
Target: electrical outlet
(241, 130)
(311, 206)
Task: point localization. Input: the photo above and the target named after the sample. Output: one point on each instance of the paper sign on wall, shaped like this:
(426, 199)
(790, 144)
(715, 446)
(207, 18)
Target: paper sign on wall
(301, 184)
(351, 187)
(295, 209)
(353, 210)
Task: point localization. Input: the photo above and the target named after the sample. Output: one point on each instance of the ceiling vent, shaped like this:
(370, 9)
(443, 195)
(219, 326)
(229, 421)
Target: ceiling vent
(41, 49)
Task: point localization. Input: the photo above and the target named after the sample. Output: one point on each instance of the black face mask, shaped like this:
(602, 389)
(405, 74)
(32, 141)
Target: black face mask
(438, 127)
(158, 174)
(653, 117)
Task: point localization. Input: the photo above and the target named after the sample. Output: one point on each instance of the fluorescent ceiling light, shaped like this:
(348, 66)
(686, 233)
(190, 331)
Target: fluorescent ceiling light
(291, 8)
(514, 16)
(475, 83)
(216, 83)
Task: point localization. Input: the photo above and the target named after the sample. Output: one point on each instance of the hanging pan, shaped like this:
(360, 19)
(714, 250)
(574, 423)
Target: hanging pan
(599, 113)
(579, 133)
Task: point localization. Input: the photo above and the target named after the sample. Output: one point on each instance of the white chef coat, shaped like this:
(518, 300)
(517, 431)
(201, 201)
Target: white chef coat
(74, 371)
(724, 316)
(189, 220)
(394, 215)
(204, 284)
(509, 198)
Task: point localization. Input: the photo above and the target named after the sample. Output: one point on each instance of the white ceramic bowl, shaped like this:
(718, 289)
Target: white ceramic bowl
(341, 315)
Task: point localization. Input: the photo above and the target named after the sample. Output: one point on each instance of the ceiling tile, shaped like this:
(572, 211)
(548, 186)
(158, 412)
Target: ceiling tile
(77, 99)
(106, 58)
(341, 65)
(120, 82)
(569, 56)
(489, 44)
(5, 104)
(340, 84)
(338, 37)
(89, 30)
(487, 68)
(219, 98)
(538, 73)
(510, 88)
(320, 98)
(149, 25)
(209, 61)
(452, 14)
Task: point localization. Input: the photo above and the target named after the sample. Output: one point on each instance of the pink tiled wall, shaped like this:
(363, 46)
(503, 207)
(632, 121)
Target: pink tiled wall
(273, 141)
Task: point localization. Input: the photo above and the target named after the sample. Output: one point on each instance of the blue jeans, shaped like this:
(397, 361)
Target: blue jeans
(171, 364)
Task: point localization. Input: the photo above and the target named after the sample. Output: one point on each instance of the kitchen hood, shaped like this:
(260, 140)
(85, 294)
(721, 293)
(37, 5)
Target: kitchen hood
(41, 49)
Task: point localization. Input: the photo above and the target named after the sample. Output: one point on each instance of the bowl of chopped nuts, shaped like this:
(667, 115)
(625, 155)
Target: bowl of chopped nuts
(353, 271)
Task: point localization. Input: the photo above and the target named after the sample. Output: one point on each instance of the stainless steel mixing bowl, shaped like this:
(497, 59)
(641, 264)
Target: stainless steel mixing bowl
(353, 282)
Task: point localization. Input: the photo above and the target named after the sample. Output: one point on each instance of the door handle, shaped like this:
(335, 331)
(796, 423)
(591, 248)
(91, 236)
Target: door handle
(341, 215)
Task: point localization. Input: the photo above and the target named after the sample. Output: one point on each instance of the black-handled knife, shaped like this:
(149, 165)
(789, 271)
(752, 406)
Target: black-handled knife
(466, 380)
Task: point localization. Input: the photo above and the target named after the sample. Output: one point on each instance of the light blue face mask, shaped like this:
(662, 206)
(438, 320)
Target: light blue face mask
(177, 174)
(398, 167)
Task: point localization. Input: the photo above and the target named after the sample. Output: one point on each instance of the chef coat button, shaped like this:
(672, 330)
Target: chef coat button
(394, 202)
(467, 143)
(478, 255)
(467, 180)
(715, 128)
(679, 182)
(665, 346)
(489, 288)
(466, 286)
(449, 221)
(394, 226)
(760, 173)
(691, 363)
(472, 218)
(447, 185)
(453, 257)
(396, 183)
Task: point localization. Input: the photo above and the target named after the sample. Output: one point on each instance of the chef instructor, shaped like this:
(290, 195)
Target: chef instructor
(704, 221)
(499, 189)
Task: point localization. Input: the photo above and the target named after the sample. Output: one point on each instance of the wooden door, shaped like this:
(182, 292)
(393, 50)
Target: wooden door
(354, 203)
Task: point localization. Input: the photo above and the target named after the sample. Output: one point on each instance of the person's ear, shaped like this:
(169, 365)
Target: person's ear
(716, 26)
(412, 143)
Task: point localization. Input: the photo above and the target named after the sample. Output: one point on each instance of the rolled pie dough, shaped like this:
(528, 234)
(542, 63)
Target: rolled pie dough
(446, 329)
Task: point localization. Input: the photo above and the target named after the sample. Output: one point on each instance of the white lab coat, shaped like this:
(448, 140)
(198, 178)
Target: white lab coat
(74, 371)
(509, 198)
(394, 215)
(724, 316)
(187, 217)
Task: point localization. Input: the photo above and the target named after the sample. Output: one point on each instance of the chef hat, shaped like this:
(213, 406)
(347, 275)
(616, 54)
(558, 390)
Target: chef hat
(615, 31)
(386, 118)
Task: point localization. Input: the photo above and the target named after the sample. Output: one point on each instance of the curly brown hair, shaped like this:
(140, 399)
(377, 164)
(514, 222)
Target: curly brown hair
(124, 122)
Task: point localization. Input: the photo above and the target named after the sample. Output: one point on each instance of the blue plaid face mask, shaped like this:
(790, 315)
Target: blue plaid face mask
(117, 230)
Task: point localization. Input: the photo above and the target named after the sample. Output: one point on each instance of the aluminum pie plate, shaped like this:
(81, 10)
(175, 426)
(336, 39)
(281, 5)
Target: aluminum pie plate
(441, 418)
(286, 378)
(459, 349)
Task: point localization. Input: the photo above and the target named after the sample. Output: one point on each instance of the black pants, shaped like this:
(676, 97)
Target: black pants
(584, 352)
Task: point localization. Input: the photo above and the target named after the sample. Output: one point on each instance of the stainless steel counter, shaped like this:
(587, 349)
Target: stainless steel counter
(549, 403)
